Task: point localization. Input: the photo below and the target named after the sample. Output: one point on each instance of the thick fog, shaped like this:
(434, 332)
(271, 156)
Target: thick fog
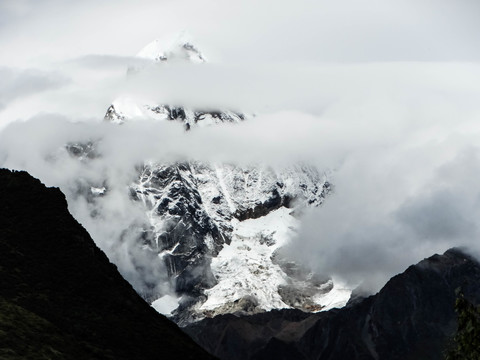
(383, 96)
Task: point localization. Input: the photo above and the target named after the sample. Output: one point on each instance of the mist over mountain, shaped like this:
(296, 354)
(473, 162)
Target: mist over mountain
(171, 201)
(176, 223)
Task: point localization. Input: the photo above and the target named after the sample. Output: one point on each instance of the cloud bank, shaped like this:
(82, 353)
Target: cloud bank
(401, 141)
(384, 94)
(17, 84)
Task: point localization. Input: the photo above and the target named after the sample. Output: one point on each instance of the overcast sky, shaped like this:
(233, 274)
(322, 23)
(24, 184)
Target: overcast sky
(49, 40)
(36, 31)
(384, 93)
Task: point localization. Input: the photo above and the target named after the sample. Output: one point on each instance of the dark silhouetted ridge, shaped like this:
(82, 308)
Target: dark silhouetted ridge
(60, 297)
(412, 318)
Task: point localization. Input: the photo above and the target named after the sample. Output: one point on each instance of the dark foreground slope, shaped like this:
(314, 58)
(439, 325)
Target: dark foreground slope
(412, 317)
(60, 297)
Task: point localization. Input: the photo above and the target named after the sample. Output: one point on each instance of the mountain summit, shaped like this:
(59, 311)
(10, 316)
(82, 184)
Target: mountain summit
(220, 227)
(178, 49)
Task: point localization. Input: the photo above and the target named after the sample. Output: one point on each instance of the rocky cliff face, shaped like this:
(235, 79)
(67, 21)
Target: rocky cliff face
(412, 317)
(197, 209)
(60, 297)
(208, 221)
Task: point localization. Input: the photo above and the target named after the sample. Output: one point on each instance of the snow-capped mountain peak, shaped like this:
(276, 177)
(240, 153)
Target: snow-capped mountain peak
(178, 49)
(219, 228)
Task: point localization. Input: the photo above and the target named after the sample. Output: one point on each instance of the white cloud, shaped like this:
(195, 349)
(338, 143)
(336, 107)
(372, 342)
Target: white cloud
(361, 88)
(401, 139)
(17, 84)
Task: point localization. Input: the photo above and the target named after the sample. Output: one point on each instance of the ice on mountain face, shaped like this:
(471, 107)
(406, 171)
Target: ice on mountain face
(166, 304)
(218, 228)
(244, 268)
(337, 297)
(250, 280)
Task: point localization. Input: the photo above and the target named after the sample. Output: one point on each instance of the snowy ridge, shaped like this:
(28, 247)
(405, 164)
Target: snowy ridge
(127, 109)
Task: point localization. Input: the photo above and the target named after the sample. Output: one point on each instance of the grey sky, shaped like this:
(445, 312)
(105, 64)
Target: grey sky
(305, 30)
(17, 84)
(99, 36)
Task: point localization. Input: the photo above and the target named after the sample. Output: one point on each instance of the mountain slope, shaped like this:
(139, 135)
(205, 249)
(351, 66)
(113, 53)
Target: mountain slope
(60, 297)
(412, 317)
